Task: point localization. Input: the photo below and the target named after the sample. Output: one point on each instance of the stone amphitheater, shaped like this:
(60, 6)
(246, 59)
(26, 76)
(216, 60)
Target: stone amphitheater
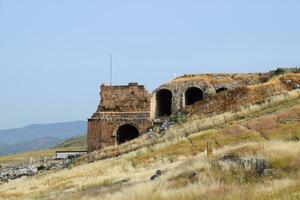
(127, 111)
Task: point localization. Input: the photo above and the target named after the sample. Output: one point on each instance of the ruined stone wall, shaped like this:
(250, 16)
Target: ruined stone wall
(119, 105)
(208, 83)
(133, 105)
(129, 98)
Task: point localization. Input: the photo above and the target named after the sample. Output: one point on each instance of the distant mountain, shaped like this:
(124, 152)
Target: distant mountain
(63, 130)
(37, 144)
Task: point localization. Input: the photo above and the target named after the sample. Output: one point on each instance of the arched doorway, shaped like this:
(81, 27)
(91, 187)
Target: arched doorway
(163, 103)
(222, 89)
(126, 133)
(193, 95)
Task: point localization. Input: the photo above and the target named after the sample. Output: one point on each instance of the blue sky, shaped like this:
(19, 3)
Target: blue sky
(55, 54)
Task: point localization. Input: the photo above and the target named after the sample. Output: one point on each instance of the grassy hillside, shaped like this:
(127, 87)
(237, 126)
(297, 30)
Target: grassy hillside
(271, 133)
(76, 142)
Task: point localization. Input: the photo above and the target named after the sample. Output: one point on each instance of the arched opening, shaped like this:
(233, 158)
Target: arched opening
(126, 133)
(222, 89)
(163, 103)
(193, 95)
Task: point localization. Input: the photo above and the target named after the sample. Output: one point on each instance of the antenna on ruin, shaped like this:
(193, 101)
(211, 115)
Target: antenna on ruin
(110, 69)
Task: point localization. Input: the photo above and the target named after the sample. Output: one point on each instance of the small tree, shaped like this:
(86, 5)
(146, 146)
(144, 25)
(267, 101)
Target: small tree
(279, 71)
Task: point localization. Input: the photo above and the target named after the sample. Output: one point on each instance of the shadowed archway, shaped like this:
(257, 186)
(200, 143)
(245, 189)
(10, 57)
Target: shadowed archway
(193, 95)
(126, 133)
(222, 89)
(163, 103)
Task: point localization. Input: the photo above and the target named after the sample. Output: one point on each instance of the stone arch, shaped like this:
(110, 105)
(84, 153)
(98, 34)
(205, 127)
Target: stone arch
(163, 102)
(221, 89)
(126, 132)
(193, 95)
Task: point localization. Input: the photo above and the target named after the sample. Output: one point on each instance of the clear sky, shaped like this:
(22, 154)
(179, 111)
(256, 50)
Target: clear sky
(55, 54)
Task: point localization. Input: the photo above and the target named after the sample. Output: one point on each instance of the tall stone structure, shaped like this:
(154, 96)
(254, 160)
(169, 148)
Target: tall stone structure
(123, 114)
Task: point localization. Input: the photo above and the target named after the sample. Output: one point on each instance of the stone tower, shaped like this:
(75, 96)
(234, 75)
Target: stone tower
(123, 114)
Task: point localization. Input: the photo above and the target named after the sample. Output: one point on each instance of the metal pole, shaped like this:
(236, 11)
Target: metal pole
(110, 69)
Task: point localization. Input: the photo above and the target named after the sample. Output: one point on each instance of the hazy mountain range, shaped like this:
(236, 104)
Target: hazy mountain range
(37, 144)
(39, 136)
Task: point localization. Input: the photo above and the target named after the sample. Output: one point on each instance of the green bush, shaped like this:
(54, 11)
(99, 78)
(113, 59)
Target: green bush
(279, 71)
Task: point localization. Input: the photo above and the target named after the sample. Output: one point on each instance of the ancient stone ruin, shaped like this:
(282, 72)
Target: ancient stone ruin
(123, 114)
(127, 111)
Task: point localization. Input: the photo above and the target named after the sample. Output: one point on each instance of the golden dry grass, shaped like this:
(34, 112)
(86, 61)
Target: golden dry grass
(213, 79)
(127, 176)
(197, 123)
(234, 99)
(205, 78)
(268, 130)
(116, 178)
(25, 157)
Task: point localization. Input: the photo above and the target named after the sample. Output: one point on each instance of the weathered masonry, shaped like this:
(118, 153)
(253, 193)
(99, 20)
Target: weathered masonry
(125, 112)
(186, 90)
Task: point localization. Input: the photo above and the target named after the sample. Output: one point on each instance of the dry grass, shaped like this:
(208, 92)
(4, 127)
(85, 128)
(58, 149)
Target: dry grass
(25, 157)
(197, 124)
(214, 184)
(267, 130)
(234, 99)
(127, 176)
(207, 78)
(82, 181)
(260, 94)
(213, 79)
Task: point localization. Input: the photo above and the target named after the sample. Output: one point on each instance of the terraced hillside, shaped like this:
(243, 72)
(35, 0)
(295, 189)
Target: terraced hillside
(255, 155)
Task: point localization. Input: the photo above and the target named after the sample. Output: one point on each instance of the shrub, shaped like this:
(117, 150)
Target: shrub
(278, 71)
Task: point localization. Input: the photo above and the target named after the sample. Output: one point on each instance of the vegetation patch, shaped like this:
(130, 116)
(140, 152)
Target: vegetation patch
(103, 183)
